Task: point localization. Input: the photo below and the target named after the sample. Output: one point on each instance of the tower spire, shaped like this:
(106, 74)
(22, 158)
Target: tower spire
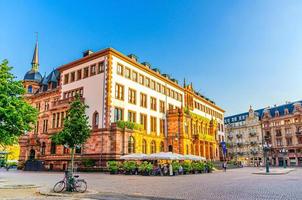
(35, 60)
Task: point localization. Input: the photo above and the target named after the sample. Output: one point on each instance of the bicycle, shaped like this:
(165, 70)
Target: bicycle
(76, 184)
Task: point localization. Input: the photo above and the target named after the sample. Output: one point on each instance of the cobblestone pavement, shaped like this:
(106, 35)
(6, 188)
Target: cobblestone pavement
(236, 184)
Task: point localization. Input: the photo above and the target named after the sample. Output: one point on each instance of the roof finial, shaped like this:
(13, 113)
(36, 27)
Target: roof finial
(35, 60)
(184, 82)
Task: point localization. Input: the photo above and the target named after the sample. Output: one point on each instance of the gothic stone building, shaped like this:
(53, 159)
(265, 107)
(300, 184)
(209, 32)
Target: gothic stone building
(281, 127)
(116, 88)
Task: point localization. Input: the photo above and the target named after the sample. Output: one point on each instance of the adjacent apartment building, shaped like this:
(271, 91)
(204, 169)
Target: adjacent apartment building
(279, 126)
(116, 88)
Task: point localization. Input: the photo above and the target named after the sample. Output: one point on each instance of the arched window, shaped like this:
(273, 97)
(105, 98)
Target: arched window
(53, 148)
(95, 120)
(30, 89)
(43, 148)
(162, 147)
(131, 145)
(153, 146)
(144, 146)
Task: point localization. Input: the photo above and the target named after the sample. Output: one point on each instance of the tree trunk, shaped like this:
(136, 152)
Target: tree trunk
(70, 180)
(72, 159)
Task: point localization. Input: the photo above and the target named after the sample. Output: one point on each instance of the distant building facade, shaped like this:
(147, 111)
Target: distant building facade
(281, 127)
(117, 88)
(244, 138)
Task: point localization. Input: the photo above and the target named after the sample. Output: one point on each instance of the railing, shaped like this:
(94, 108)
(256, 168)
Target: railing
(252, 134)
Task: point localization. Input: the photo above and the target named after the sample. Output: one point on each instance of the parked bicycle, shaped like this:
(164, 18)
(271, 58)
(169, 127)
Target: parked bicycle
(75, 184)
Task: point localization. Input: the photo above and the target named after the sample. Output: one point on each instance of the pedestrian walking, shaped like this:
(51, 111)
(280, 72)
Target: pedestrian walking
(224, 166)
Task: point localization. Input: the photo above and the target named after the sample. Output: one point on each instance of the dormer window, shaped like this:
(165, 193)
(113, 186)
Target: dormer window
(30, 89)
(286, 111)
(276, 113)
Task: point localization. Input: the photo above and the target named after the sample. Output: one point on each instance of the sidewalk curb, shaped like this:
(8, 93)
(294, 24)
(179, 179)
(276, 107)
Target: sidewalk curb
(274, 172)
(49, 192)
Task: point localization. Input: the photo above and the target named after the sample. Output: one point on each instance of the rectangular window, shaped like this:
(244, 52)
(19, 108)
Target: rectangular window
(143, 121)
(143, 100)
(37, 128)
(119, 91)
(54, 120)
(131, 116)
(168, 92)
(170, 106)
(134, 76)
(118, 114)
(141, 79)
(163, 89)
(92, 70)
(147, 82)
(162, 126)
(86, 72)
(127, 73)
(132, 96)
(153, 103)
(120, 69)
(72, 76)
(162, 106)
(45, 125)
(158, 88)
(79, 74)
(153, 124)
(46, 106)
(66, 77)
(152, 85)
(101, 67)
(58, 120)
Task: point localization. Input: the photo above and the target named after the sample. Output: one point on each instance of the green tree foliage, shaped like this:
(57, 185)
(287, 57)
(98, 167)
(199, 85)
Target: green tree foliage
(16, 115)
(76, 129)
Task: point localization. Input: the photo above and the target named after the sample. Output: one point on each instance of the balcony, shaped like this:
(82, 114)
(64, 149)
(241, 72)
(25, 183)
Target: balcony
(64, 102)
(253, 143)
(239, 144)
(299, 133)
(252, 134)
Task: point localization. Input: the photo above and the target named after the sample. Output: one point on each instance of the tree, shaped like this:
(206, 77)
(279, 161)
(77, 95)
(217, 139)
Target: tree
(16, 115)
(76, 129)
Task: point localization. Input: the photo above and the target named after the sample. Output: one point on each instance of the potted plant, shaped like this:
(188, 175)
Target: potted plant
(195, 167)
(175, 166)
(112, 167)
(145, 168)
(209, 166)
(201, 167)
(129, 167)
(187, 167)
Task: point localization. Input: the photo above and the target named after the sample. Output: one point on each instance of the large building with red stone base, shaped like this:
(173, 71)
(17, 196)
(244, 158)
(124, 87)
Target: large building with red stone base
(118, 88)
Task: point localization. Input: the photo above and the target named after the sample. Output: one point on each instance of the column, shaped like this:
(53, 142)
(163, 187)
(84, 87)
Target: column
(204, 149)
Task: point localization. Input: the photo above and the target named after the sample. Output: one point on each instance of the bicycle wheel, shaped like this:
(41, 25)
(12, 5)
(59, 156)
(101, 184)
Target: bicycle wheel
(80, 186)
(59, 186)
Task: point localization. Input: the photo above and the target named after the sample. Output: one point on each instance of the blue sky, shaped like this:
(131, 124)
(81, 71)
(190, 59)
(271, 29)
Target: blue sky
(238, 53)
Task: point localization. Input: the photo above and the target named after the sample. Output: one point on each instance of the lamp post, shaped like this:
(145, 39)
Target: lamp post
(283, 151)
(266, 148)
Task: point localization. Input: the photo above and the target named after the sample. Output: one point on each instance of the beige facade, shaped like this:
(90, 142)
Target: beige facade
(244, 139)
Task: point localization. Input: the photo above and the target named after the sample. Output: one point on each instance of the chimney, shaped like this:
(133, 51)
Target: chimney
(87, 53)
(133, 57)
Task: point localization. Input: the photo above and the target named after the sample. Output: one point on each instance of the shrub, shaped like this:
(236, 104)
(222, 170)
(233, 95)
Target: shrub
(112, 166)
(210, 166)
(88, 162)
(128, 125)
(195, 166)
(201, 166)
(145, 168)
(129, 166)
(176, 166)
(187, 167)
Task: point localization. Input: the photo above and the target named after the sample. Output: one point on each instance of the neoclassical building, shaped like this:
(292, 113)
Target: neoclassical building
(119, 88)
(278, 126)
(244, 136)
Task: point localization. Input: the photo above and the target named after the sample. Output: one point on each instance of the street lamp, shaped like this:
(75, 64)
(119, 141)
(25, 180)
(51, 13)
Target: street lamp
(266, 148)
(283, 151)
